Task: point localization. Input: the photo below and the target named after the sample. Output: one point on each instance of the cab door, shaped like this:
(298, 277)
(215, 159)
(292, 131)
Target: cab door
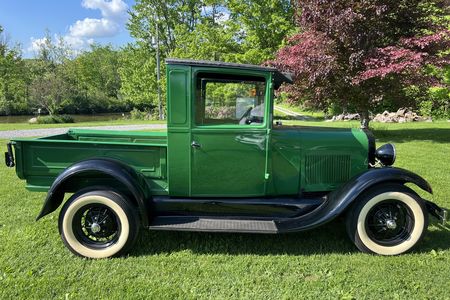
(229, 137)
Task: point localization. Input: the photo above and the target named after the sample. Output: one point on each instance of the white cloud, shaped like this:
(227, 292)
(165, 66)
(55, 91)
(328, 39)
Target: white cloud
(82, 33)
(112, 10)
(75, 43)
(90, 28)
(36, 44)
(114, 14)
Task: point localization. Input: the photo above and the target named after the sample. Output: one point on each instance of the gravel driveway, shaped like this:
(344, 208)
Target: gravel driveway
(11, 134)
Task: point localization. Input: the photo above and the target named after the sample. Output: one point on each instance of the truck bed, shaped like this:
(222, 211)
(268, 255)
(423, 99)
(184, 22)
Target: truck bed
(40, 160)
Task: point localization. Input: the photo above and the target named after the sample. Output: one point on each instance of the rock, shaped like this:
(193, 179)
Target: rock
(401, 111)
(345, 117)
(352, 117)
(32, 121)
(402, 115)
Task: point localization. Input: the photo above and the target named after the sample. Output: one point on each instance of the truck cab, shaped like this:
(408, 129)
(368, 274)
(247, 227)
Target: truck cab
(222, 140)
(222, 166)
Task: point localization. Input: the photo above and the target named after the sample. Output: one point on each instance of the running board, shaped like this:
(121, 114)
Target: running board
(184, 223)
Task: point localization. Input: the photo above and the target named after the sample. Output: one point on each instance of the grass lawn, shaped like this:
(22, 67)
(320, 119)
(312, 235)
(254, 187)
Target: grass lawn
(317, 264)
(19, 126)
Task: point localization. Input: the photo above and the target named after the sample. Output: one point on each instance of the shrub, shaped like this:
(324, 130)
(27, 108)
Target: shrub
(54, 119)
(436, 104)
(441, 102)
(426, 108)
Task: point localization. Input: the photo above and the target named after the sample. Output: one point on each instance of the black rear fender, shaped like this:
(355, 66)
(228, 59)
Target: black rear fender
(128, 178)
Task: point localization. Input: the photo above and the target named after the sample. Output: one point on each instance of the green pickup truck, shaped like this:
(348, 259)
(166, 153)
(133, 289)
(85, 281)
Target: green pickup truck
(222, 166)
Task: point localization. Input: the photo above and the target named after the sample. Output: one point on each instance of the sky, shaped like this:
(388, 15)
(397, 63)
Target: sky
(78, 22)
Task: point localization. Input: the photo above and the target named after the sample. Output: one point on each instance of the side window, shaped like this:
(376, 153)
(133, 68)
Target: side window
(225, 99)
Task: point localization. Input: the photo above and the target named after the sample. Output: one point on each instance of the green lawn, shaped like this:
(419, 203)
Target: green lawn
(19, 126)
(167, 265)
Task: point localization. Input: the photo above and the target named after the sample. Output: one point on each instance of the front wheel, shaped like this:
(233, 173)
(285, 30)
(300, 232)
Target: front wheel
(98, 224)
(387, 220)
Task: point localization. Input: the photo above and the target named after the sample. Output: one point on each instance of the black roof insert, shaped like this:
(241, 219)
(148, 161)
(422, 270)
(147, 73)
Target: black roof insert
(279, 77)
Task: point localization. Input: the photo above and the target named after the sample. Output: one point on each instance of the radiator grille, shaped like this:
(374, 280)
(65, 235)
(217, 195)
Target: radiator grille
(322, 169)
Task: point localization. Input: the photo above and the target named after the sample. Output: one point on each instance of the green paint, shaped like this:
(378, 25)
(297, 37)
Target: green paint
(232, 160)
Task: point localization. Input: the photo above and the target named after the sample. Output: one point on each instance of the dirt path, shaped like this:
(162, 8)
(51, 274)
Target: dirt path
(293, 114)
(11, 134)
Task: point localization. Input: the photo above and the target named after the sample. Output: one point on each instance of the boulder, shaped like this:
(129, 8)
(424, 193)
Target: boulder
(352, 117)
(401, 112)
(402, 115)
(32, 121)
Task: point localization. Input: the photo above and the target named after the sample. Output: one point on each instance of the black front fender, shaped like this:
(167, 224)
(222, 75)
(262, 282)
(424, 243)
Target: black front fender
(130, 178)
(338, 200)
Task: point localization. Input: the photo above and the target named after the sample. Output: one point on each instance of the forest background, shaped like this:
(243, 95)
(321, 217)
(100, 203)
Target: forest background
(346, 56)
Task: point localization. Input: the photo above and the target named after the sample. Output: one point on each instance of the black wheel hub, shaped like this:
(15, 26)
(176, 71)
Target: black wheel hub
(389, 222)
(96, 226)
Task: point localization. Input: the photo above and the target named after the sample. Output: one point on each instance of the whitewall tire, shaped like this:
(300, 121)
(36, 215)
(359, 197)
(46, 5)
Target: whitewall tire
(387, 220)
(98, 224)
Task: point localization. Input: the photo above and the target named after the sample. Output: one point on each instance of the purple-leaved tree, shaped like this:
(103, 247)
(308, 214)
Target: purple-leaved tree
(356, 53)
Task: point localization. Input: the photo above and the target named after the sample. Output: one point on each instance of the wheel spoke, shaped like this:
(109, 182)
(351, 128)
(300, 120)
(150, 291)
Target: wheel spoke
(102, 216)
(104, 219)
(388, 222)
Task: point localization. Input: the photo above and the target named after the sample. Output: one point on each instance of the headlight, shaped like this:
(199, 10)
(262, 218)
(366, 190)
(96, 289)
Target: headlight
(386, 154)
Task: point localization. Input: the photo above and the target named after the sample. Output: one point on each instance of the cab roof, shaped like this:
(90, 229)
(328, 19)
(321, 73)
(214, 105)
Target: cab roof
(279, 77)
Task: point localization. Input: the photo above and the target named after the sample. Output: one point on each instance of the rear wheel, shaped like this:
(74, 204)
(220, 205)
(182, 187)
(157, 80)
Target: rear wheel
(387, 220)
(98, 224)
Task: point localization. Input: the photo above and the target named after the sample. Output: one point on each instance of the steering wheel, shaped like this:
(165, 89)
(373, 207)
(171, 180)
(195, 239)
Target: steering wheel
(247, 113)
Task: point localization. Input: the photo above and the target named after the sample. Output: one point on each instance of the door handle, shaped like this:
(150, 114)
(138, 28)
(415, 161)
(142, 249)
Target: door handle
(194, 144)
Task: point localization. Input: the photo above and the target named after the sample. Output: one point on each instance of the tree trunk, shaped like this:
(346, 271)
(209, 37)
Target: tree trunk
(364, 116)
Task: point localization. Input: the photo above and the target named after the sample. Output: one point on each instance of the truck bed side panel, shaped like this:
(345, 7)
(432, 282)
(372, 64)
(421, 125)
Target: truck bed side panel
(42, 160)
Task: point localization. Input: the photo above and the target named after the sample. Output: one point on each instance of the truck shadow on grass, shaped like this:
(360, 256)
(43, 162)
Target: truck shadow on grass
(437, 135)
(329, 239)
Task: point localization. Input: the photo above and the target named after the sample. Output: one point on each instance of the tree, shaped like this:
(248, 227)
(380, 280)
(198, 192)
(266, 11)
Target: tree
(240, 31)
(97, 70)
(260, 27)
(13, 83)
(210, 39)
(48, 87)
(226, 30)
(343, 46)
(137, 71)
(49, 91)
